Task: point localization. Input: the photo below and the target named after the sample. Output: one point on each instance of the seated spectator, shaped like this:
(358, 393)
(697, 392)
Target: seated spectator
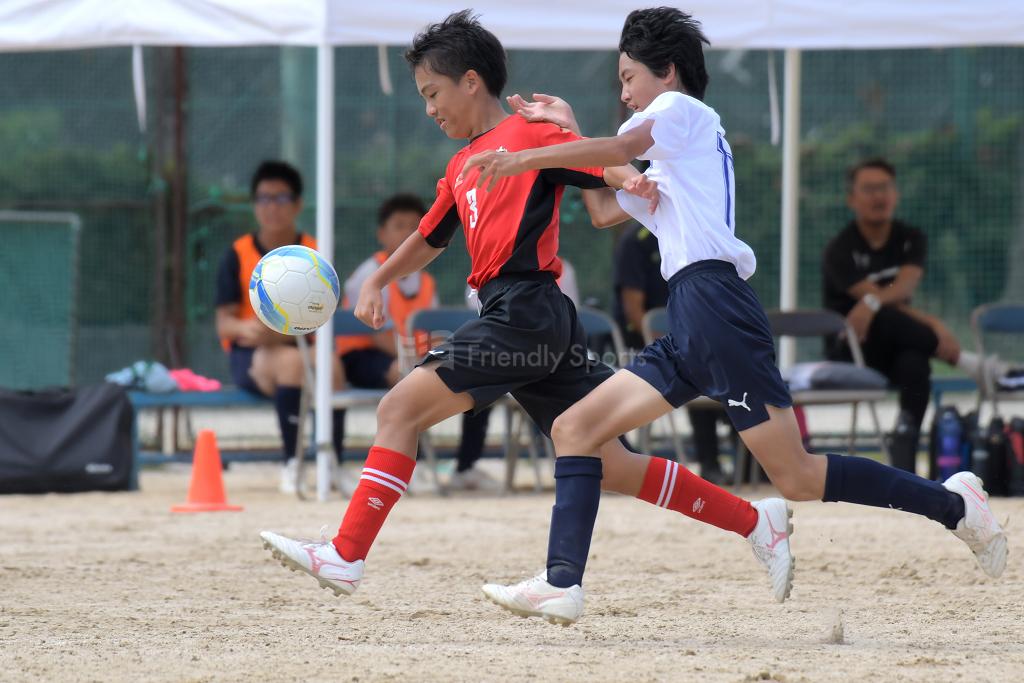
(262, 360)
(371, 361)
(639, 287)
(871, 270)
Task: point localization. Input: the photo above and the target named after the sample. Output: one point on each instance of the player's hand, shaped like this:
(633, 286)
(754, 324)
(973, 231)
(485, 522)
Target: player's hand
(370, 306)
(642, 186)
(860, 317)
(494, 166)
(544, 108)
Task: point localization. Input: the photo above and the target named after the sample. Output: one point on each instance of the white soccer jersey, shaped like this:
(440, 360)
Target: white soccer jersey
(692, 164)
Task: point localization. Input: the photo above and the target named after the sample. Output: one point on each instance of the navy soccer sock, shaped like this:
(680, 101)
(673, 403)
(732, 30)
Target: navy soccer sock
(866, 482)
(577, 494)
(286, 403)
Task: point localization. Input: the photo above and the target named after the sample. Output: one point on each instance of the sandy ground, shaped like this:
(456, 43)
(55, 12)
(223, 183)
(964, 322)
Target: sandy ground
(111, 587)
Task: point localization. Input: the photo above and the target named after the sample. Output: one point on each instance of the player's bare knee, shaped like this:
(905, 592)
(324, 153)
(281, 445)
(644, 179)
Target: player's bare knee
(571, 435)
(396, 414)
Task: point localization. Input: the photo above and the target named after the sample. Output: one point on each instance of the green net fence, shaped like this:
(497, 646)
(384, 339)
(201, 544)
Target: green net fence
(38, 275)
(952, 121)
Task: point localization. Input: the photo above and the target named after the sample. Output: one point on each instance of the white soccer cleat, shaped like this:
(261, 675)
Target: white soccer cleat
(770, 543)
(473, 479)
(537, 598)
(979, 528)
(319, 559)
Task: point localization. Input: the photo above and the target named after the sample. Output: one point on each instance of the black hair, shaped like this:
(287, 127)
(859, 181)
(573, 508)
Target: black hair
(875, 162)
(661, 36)
(403, 201)
(278, 170)
(458, 44)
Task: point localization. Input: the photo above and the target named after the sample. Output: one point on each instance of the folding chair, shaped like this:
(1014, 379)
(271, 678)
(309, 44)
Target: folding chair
(822, 323)
(988, 320)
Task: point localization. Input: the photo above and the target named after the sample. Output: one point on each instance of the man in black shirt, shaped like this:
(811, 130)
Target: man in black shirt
(871, 270)
(640, 287)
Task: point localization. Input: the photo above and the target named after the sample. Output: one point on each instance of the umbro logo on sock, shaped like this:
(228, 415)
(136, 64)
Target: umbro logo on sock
(375, 503)
(698, 506)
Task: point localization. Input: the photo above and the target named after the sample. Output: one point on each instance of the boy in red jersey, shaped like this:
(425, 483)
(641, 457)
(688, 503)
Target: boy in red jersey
(527, 341)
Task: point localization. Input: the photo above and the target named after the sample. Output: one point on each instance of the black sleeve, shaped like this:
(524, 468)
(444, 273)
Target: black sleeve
(445, 229)
(574, 177)
(229, 290)
(838, 266)
(631, 264)
(442, 220)
(915, 250)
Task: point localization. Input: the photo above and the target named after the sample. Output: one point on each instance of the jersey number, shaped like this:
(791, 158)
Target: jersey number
(727, 170)
(473, 213)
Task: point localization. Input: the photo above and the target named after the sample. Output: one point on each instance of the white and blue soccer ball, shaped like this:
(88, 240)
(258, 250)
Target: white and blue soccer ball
(294, 289)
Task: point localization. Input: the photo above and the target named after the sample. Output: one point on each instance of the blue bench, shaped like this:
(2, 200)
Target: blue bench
(226, 398)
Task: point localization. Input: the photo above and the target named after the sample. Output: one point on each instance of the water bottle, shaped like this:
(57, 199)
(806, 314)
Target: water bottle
(1016, 453)
(980, 456)
(997, 446)
(950, 432)
(968, 440)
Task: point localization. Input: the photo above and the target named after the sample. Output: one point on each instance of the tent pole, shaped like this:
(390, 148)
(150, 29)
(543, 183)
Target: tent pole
(790, 197)
(325, 243)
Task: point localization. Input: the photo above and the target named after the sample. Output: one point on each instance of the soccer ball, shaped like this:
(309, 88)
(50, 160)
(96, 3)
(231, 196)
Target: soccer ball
(294, 289)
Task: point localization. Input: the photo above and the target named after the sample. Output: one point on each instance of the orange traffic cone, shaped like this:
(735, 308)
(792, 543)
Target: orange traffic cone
(206, 490)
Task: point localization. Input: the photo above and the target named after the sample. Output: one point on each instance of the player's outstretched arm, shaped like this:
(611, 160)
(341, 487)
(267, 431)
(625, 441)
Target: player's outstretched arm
(414, 254)
(613, 151)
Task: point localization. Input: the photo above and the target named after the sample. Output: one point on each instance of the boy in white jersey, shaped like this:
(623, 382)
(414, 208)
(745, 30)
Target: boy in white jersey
(528, 340)
(720, 343)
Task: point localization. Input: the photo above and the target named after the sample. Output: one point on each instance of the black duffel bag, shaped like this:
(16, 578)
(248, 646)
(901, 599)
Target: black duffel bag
(65, 440)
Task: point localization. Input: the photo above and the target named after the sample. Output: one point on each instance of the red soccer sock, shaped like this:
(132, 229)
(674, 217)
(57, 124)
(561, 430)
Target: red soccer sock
(385, 477)
(670, 485)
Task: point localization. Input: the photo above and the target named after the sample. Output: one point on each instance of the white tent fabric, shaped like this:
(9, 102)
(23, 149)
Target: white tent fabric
(752, 24)
(66, 24)
(565, 24)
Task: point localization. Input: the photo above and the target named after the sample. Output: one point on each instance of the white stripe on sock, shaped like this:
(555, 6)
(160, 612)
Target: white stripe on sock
(382, 482)
(664, 484)
(385, 475)
(671, 483)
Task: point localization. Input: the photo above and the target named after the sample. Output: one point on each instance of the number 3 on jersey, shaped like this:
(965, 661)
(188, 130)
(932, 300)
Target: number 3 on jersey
(473, 212)
(728, 171)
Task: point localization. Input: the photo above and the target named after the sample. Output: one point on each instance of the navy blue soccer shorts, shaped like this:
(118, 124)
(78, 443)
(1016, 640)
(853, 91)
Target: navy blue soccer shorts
(719, 345)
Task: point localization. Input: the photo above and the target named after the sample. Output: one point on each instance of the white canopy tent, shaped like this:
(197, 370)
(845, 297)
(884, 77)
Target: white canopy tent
(565, 24)
(791, 25)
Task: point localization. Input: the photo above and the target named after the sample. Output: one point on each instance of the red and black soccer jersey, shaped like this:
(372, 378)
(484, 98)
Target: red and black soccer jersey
(514, 227)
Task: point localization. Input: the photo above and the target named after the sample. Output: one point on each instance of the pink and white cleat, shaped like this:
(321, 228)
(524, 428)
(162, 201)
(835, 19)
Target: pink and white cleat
(979, 528)
(319, 559)
(770, 542)
(537, 598)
